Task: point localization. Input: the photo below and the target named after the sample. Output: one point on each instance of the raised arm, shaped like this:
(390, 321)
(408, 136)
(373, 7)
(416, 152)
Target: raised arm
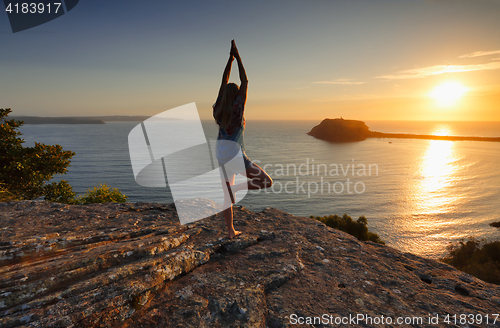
(243, 75)
(225, 75)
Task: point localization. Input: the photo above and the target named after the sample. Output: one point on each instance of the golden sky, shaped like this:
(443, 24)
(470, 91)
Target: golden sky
(305, 60)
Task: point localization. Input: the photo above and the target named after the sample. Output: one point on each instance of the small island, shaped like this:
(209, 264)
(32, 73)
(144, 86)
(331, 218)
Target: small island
(341, 130)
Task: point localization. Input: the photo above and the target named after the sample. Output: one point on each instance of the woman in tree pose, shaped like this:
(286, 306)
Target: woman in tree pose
(228, 114)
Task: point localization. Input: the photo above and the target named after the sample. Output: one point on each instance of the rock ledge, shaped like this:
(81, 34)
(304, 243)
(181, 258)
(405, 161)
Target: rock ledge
(134, 265)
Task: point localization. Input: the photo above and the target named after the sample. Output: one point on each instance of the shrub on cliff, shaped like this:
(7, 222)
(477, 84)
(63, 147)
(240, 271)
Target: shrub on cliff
(477, 258)
(102, 194)
(345, 223)
(60, 192)
(63, 193)
(25, 170)
(5, 195)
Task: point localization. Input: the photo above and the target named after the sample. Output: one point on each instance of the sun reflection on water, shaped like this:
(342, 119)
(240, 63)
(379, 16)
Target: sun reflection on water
(437, 166)
(441, 131)
(432, 195)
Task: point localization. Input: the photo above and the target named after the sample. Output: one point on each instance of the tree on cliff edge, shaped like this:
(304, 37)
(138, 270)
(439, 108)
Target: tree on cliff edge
(24, 171)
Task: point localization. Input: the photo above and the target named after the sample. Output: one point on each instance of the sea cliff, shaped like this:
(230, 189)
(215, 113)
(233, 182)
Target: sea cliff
(134, 265)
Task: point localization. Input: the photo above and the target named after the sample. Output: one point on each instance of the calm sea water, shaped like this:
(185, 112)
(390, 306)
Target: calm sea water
(418, 195)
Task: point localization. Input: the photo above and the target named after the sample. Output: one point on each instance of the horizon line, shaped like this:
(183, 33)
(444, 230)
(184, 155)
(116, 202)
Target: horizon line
(392, 120)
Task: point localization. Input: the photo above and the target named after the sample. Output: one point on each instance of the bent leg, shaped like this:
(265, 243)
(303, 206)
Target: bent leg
(259, 179)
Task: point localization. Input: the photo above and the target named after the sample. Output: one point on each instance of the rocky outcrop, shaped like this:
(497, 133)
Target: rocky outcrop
(340, 130)
(134, 265)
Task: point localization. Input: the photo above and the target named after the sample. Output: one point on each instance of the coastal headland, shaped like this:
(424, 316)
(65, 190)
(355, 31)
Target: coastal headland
(341, 130)
(134, 265)
(78, 119)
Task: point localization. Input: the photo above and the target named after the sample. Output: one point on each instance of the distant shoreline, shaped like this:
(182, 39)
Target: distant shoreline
(374, 134)
(79, 119)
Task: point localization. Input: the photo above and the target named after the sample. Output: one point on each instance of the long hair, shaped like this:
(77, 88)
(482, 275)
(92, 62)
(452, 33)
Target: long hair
(224, 110)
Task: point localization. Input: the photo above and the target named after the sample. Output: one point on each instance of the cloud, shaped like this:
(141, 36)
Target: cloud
(480, 53)
(341, 82)
(439, 69)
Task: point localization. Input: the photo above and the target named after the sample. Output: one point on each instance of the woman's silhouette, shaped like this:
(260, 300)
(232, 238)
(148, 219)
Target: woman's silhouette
(228, 114)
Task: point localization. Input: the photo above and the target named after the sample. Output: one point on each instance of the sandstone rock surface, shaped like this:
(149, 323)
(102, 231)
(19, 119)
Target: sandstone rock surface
(134, 265)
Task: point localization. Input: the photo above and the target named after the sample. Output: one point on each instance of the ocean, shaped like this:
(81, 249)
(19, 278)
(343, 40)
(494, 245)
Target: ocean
(418, 195)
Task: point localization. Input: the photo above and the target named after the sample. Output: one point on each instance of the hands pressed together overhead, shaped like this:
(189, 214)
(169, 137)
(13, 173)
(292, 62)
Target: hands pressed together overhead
(234, 51)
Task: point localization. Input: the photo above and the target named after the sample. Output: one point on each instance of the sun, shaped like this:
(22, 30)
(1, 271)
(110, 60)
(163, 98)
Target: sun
(448, 93)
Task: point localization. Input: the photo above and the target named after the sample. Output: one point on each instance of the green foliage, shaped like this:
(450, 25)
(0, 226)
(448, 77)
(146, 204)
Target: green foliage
(60, 192)
(345, 223)
(477, 258)
(24, 170)
(5, 195)
(102, 194)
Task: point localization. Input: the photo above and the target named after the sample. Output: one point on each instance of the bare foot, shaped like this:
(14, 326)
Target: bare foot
(231, 235)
